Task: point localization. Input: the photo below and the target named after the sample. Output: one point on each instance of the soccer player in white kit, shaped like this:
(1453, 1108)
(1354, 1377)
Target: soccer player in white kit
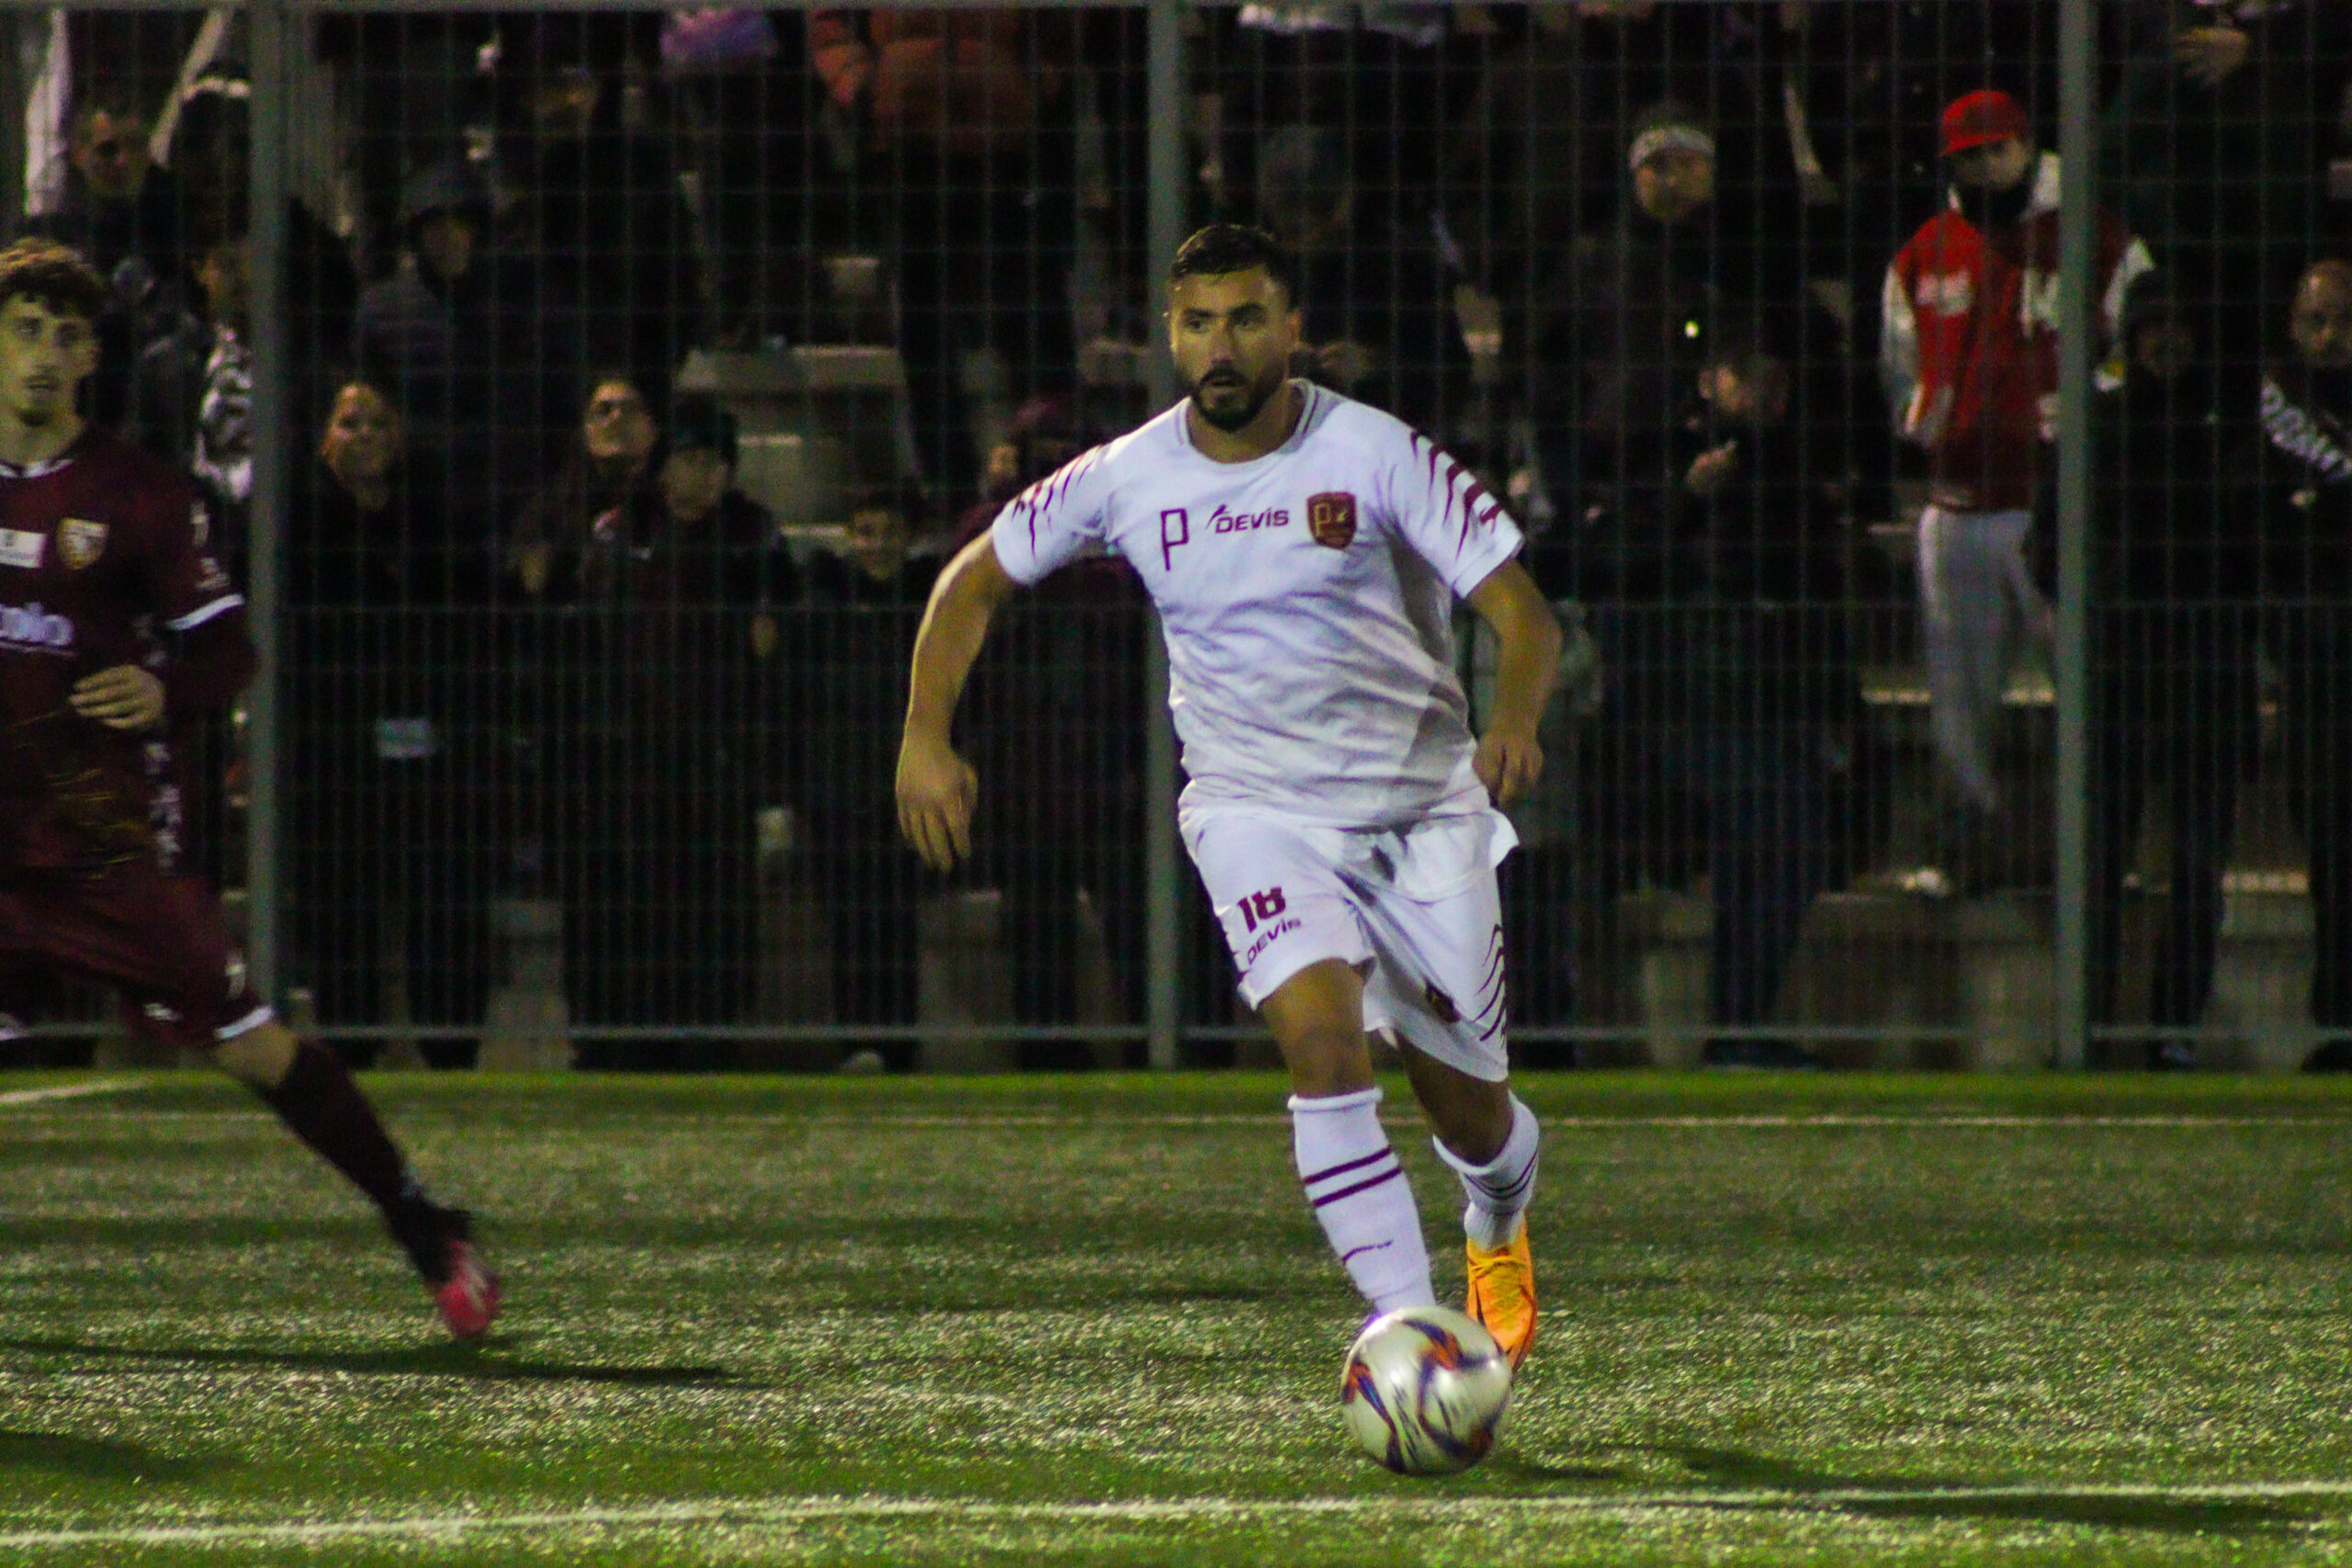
(1303, 552)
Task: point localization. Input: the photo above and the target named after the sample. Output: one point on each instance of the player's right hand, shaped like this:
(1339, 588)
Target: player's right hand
(936, 791)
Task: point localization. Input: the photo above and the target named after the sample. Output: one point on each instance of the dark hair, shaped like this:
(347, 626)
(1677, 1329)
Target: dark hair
(604, 376)
(902, 496)
(700, 422)
(1223, 248)
(113, 103)
(1740, 343)
(53, 275)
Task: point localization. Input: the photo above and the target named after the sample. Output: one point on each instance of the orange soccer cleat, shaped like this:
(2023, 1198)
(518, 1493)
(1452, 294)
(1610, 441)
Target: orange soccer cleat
(1502, 1293)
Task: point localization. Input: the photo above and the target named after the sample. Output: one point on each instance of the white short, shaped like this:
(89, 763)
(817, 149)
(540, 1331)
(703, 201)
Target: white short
(1414, 909)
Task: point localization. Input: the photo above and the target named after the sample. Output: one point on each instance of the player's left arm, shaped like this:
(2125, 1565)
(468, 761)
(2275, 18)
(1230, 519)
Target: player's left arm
(1509, 760)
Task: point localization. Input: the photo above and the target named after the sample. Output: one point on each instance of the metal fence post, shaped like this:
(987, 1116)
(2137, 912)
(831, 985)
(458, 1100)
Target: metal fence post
(1165, 131)
(269, 27)
(2078, 153)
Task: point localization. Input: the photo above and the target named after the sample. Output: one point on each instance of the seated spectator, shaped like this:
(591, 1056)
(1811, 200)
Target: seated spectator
(850, 676)
(1734, 696)
(567, 536)
(194, 397)
(385, 626)
(1537, 156)
(455, 330)
(667, 578)
(1622, 330)
(127, 219)
(1055, 700)
(2292, 485)
(1378, 315)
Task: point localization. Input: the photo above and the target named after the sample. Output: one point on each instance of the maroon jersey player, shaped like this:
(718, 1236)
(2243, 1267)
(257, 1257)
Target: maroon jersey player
(116, 630)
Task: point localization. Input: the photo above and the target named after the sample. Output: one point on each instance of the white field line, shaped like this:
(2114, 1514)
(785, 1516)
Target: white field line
(806, 1510)
(1407, 1119)
(886, 1120)
(69, 1091)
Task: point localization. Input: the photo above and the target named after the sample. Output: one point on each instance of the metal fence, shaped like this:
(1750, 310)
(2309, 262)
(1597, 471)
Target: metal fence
(591, 393)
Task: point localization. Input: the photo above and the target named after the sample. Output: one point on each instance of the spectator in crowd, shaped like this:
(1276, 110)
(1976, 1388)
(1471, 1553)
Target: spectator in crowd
(1854, 92)
(1378, 317)
(194, 398)
(742, 77)
(127, 218)
(2176, 692)
(1536, 154)
(1741, 705)
(573, 732)
(319, 290)
(455, 330)
(1623, 328)
(562, 548)
(1970, 359)
(386, 585)
(117, 204)
(2222, 129)
(964, 121)
(411, 86)
(1055, 696)
(1378, 74)
(2293, 483)
(666, 578)
(850, 672)
(602, 213)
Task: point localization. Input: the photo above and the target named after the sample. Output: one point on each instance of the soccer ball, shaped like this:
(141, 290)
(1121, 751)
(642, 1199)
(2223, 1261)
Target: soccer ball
(1425, 1391)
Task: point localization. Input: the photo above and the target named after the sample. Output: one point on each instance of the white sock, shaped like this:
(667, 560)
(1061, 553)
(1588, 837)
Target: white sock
(1499, 1190)
(1359, 1195)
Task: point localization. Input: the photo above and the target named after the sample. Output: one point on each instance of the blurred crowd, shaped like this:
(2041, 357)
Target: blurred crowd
(1751, 309)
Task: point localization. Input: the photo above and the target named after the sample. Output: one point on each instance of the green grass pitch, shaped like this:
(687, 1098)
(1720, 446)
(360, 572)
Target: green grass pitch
(1818, 1320)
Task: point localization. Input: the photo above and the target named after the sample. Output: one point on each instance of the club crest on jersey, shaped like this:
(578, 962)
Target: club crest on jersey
(79, 542)
(1331, 519)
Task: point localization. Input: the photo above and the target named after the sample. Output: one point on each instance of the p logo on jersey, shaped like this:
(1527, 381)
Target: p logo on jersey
(79, 542)
(1331, 519)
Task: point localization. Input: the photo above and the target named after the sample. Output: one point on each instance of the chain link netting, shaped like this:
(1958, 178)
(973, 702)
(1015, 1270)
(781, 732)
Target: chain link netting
(640, 370)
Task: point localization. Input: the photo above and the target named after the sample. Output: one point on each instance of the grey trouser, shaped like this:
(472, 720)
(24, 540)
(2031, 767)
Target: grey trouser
(1976, 601)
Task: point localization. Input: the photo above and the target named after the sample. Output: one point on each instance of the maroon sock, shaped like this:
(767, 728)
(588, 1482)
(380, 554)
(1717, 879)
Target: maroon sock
(322, 1106)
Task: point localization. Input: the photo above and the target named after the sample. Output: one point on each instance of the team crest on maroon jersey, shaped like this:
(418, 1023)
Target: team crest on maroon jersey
(79, 542)
(1331, 518)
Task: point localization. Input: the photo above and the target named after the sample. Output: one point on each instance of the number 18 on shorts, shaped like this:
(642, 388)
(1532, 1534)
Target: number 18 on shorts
(1413, 909)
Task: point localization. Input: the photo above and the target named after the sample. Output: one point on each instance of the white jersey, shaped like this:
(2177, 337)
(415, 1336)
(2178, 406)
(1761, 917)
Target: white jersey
(1307, 598)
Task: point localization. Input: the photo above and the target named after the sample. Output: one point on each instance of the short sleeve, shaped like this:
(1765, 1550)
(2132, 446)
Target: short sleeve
(186, 582)
(1447, 514)
(1055, 522)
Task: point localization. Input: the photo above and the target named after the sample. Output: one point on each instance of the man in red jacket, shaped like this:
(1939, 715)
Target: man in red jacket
(1970, 358)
